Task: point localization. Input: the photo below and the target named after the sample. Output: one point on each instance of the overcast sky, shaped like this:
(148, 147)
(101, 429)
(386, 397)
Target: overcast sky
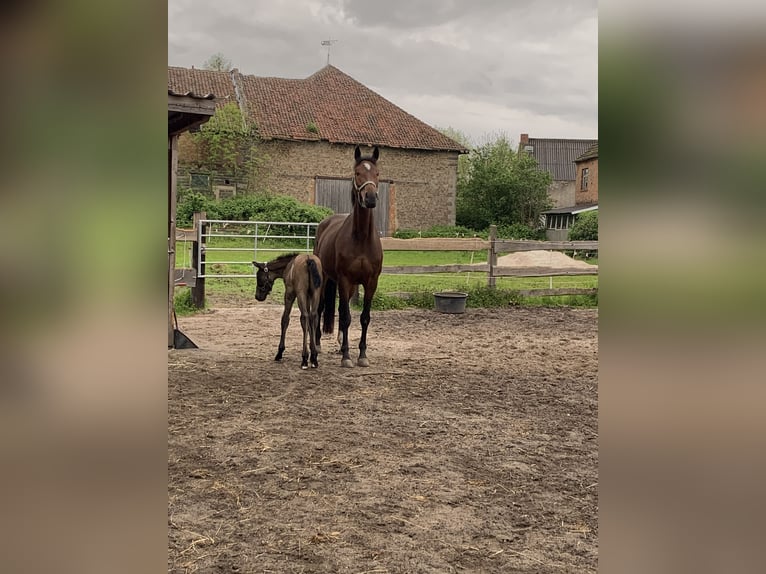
(481, 66)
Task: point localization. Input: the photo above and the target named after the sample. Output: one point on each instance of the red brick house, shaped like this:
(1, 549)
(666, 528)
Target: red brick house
(559, 220)
(586, 182)
(557, 156)
(308, 129)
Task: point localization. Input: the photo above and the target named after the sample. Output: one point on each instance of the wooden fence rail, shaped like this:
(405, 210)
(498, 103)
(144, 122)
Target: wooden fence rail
(492, 245)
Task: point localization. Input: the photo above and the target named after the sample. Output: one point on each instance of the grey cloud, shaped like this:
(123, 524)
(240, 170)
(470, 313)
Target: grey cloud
(534, 56)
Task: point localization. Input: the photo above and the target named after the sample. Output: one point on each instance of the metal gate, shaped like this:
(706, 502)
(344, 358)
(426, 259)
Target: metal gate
(228, 248)
(336, 194)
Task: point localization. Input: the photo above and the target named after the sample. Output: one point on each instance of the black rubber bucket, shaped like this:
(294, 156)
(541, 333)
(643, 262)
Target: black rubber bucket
(450, 301)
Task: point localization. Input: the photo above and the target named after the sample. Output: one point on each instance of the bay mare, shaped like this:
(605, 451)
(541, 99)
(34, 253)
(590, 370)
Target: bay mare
(351, 253)
(302, 274)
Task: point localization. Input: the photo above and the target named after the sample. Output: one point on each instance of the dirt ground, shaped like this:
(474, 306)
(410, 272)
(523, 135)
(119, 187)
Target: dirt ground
(469, 445)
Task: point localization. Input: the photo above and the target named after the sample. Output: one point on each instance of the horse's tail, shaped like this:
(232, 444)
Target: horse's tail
(330, 288)
(315, 277)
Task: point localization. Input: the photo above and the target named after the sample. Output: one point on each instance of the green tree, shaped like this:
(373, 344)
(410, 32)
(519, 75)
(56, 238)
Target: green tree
(217, 62)
(585, 227)
(501, 187)
(229, 145)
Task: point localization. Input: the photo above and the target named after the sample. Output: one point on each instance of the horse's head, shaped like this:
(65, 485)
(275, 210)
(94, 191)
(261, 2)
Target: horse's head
(264, 281)
(366, 178)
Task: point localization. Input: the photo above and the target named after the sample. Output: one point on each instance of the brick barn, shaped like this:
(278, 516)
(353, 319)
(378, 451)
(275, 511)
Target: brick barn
(307, 131)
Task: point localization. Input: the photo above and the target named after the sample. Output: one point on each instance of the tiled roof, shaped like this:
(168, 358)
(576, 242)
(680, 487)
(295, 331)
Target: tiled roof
(557, 156)
(198, 82)
(590, 153)
(327, 106)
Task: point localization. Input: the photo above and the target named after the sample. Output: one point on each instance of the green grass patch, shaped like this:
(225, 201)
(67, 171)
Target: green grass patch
(183, 304)
(419, 288)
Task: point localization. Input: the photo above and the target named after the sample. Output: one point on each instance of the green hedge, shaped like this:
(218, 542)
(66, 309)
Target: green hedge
(256, 207)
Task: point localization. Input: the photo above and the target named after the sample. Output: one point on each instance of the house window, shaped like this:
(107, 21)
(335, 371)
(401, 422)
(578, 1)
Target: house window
(200, 181)
(585, 177)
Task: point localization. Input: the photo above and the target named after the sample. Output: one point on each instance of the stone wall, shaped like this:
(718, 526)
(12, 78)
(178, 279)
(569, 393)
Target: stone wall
(421, 194)
(423, 182)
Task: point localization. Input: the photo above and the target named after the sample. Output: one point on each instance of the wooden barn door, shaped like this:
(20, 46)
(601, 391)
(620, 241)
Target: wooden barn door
(336, 194)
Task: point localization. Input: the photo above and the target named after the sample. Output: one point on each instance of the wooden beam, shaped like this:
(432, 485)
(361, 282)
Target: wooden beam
(413, 269)
(557, 292)
(435, 244)
(189, 105)
(511, 245)
(542, 271)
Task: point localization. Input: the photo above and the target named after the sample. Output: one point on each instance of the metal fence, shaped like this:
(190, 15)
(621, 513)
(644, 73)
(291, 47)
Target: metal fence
(253, 237)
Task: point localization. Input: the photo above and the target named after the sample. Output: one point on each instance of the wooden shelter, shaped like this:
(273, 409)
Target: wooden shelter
(185, 111)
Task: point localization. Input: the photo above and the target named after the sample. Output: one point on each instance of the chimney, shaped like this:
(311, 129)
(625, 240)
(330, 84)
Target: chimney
(524, 144)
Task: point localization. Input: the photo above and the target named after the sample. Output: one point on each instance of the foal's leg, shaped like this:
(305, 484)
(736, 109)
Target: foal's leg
(344, 313)
(318, 309)
(369, 291)
(313, 303)
(306, 326)
(289, 300)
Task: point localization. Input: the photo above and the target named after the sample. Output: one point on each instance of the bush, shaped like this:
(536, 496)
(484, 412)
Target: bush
(189, 203)
(585, 228)
(520, 231)
(255, 207)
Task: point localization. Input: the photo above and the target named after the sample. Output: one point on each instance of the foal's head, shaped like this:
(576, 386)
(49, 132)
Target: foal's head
(264, 280)
(270, 272)
(366, 174)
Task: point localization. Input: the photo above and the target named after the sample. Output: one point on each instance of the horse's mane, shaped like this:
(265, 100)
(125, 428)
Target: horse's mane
(279, 263)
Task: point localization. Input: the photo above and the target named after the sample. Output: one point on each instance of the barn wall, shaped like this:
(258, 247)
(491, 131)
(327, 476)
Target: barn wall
(190, 158)
(422, 194)
(425, 180)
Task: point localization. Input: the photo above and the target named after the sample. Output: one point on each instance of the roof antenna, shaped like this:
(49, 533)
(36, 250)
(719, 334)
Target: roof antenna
(329, 44)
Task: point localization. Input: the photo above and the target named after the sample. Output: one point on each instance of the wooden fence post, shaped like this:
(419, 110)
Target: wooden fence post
(198, 262)
(492, 256)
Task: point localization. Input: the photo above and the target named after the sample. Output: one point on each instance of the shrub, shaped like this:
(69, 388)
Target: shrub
(585, 228)
(189, 203)
(254, 207)
(520, 231)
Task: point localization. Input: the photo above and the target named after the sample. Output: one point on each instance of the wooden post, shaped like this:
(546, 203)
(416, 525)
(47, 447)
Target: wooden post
(198, 262)
(492, 256)
(172, 166)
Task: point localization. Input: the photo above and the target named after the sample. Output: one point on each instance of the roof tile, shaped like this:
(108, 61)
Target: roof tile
(340, 108)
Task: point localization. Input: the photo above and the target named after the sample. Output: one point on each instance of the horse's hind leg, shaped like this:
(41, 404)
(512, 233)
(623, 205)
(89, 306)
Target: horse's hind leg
(289, 299)
(313, 327)
(369, 291)
(306, 326)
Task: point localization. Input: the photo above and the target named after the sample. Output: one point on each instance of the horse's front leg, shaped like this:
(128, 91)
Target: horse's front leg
(344, 321)
(289, 299)
(369, 291)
